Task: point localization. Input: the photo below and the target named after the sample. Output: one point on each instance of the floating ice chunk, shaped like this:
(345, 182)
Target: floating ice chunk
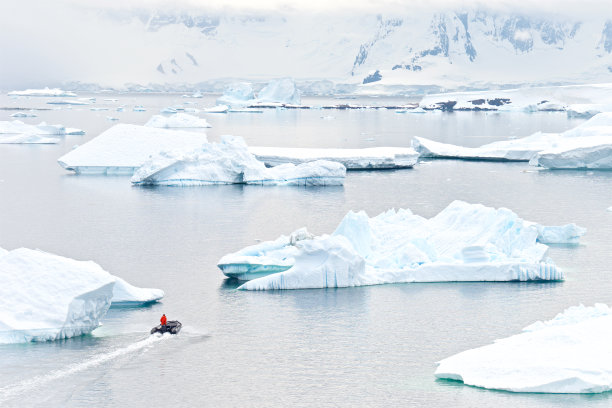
(42, 92)
(68, 102)
(125, 294)
(230, 162)
(137, 108)
(587, 110)
(179, 120)
(464, 242)
(568, 354)
(609, 209)
(17, 132)
(48, 297)
(28, 139)
(237, 94)
(245, 110)
(123, 148)
(217, 109)
(565, 234)
(250, 263)
(30, 114)
(352, 159)
(280, 91)
(585, 146)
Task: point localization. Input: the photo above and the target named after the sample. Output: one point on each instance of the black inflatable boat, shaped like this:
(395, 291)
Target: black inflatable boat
(172, 327)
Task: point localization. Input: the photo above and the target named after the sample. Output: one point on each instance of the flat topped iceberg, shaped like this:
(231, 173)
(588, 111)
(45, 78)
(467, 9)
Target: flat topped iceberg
(464, 242)
(42, 92)
(123, 148)
(18, 132)
(568, 354)
(352, 159)
(230, 162)
(49, 297)
(179, 120)
(585, 146)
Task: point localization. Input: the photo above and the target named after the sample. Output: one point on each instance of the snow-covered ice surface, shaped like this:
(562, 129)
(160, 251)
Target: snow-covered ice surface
(178, 120)
(49, 297)
(125, 294)
(352, 159)
(464, 242)
(216, 109)
(42, 92)
(123, 148)
(18, 132)
(568, 354)
(585, 146)
(229, 162)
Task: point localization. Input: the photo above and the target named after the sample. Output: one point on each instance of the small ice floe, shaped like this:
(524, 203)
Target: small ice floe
(216, 109)
(139, 108)
(43, 92)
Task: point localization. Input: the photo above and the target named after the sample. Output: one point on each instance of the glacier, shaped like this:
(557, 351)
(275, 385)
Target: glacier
(49, 297)
(178, 120)
(42, 92)
(123, 148)
(584, 146)
(464, 242)
(229, 162)
(352, 159)
(568, 354)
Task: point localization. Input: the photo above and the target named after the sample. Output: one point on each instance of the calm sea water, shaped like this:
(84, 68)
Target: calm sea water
(371, 346)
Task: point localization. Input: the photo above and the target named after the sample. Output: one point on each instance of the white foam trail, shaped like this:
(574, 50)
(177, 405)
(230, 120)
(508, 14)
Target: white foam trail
(11, 391)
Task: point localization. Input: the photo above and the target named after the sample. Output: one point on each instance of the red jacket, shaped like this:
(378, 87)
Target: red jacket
(163, 320)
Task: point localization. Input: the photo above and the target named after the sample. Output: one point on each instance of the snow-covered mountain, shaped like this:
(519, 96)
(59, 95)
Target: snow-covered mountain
(387, 51)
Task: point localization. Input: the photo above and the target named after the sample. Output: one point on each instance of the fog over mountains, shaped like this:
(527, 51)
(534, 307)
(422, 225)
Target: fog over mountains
(394, 49)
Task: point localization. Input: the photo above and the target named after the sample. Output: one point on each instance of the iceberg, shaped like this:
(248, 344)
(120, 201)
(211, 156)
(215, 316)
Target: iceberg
(125, 294)
(568, 354)
(123, 148)
(230, 162)
(565, 234)
(18, 132)
(464, 242)
(217, 109)
(48, 297)
(282, 91)
(68, 102)
(30, 114)
(352, 159)
(237, 94)
(42, 92)
(179, 120)
(585, 146)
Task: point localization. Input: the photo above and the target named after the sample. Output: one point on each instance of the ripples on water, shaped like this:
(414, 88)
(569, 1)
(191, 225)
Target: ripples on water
(369, 346)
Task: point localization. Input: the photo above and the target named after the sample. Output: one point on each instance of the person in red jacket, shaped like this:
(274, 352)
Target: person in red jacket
(163, 320)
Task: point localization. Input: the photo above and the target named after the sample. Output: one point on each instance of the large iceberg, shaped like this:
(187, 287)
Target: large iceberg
(230, 162)
(42, 92)
(18, 132)
(282, 91)
(123, 148)
(48, 297)
(464, 242)
(568, 354)
(352, 159)
(179, 120)
(585, 146)
(237, 94)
